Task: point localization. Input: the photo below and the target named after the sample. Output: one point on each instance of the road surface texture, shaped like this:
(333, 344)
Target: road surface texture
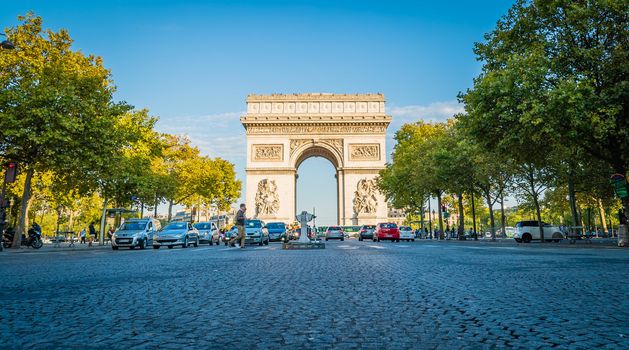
(365, 295)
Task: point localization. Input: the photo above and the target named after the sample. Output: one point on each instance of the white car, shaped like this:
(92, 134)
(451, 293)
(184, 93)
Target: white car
(406, 234)
(526, 231)
(207, 230)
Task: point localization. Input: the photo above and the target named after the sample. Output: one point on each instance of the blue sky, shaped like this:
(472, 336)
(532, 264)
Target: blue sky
(192, 63)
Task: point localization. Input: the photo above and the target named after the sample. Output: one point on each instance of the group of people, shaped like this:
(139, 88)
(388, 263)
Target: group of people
(88, 236)
(449, 233)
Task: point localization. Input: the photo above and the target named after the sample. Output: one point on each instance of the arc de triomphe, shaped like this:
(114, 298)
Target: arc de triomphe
(284, 130)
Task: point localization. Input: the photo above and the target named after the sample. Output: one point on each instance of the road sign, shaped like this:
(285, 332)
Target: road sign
(620, 185)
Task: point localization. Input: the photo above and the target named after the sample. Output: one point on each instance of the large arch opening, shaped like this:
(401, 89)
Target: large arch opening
(316, 188)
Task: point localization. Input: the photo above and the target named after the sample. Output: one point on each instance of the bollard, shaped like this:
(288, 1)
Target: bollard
(623, 240)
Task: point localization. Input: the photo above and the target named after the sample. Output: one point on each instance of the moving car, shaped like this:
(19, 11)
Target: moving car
(351, 231)
(406, 234)
(277, 231)
(135, 233)
(526, 231)
(387, 231)
(256, 232)
(176, 233)
(334, 232)
(232, 233)
(367, 232)
(297, 233)
(206, 231)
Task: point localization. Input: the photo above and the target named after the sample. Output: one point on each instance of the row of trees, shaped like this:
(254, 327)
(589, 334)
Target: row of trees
(76, 145)
(547, 118)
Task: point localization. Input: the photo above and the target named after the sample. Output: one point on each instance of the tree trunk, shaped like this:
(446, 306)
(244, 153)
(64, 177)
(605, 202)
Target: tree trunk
(491, 215)
(24, 206)
(141, 209)
(421, 217)
(103, 219)
(538, 210)
(503, 220)
(601, 212)
(474, 216)
(170, 209)
(461, 228)
(429, 218)
(572, 198)
(440, 215)
(156, 204)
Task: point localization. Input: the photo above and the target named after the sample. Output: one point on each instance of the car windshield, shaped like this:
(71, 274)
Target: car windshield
(275, 225)
(203, 226)
(132, 226)
(369, 227)
(405, 228)
(334, 228)
(351, 228)
(176, 226)
(388, 225)
(253, 224)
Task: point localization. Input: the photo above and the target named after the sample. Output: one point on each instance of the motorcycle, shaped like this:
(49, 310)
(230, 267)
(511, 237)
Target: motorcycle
(33, 239)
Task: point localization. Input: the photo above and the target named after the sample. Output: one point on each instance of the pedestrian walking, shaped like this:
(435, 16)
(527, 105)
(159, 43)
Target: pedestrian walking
(82, 235)
(93, 233)
(240, 224)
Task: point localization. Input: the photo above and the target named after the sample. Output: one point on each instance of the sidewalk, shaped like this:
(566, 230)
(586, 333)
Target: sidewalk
(564, 243)
(49, 247)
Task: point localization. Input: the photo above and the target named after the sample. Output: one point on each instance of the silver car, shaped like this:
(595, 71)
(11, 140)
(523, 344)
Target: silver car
(334, 232)
(256, 232)
(206, 231)
(135, 233)
(176, 233)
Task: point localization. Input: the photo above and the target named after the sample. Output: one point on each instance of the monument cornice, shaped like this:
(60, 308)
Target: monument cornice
(314, 118)
(327, 97)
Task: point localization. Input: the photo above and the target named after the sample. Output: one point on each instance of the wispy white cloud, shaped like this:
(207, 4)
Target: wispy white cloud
(436, 112)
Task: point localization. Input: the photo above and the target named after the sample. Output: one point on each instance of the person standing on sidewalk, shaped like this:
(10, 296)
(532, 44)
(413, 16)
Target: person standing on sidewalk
(240, 225)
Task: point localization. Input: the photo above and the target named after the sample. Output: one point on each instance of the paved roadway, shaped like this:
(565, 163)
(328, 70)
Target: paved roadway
(351, 295)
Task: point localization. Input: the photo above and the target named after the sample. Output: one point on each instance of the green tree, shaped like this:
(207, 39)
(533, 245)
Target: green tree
(556, 71)
(55, 104)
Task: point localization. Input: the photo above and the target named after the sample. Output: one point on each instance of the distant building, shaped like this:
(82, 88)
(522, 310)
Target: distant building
(397, 216)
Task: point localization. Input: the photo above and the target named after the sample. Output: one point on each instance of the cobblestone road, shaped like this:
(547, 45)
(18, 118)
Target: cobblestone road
(445, 295)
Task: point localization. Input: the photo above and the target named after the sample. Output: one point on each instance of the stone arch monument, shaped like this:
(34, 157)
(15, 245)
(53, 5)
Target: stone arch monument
(284, 130)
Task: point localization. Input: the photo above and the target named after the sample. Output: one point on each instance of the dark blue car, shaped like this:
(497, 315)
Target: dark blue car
(277, 231)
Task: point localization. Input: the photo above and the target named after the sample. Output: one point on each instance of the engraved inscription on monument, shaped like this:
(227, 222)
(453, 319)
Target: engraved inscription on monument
(364, 151)
(267, 152)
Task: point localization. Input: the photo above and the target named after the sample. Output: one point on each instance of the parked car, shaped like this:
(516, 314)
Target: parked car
(256, 232)
(526, 231)
(367, 232)
(277, 231)
(387, 231)
(135, 233)
(206, 231)
(334, 232)
(176, 233)
(406, 234)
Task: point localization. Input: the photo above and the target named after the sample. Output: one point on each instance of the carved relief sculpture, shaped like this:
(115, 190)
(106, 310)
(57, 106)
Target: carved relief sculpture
(267, 200)
(364, 152)
(365, 200)
(268, 152)
(296, 143)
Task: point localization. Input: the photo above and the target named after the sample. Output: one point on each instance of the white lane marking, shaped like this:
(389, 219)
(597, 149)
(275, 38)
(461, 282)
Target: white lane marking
(347, 247)
(376, 246)
(402, 246)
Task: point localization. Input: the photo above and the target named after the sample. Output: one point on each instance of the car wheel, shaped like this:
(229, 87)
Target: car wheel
(518, 240)
(526, 238)
(132, 247)
(266, 242)
(196, 244)
(114, 247)
(142, 244)
(326, 239)
(556, 240)
(413, 240)
(261, 243)
(170, 247)
(342, 239)
(185, 243)
(211, 242)
(155, 247)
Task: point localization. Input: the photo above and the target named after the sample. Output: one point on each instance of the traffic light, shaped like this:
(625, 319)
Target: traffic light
(11, 173)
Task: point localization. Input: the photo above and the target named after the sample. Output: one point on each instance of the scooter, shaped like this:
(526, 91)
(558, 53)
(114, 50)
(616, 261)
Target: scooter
(33, 239)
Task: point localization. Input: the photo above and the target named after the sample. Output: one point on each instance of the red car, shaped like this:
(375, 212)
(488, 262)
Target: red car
(388, 231)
